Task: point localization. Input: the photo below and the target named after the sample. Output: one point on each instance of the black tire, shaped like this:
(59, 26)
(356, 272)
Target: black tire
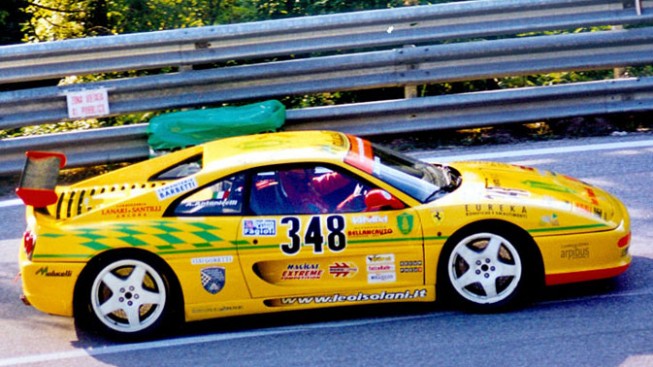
(127, 296)
(488, 270)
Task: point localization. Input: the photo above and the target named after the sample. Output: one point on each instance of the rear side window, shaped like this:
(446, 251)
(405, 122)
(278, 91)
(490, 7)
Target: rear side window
(182, 169)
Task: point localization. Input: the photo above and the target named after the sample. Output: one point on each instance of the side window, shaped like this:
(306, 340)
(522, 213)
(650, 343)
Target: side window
(223, 197)
(185, 168)
(306, 190)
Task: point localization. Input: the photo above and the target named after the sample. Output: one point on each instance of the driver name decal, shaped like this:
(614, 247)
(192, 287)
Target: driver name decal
(175, 188)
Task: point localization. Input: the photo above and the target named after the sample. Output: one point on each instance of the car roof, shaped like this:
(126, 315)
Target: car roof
(273, 148)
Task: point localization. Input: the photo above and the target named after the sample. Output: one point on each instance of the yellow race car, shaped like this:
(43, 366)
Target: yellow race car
(298, 220)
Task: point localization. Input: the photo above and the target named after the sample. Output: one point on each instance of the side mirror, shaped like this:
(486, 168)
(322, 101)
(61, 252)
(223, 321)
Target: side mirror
(377, 199)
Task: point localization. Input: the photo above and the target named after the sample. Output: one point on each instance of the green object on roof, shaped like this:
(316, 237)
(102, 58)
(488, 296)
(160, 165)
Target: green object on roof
(187, 128)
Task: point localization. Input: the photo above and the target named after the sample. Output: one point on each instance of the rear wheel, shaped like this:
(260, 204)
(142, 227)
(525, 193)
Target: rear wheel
(487, 270)
(126, 297)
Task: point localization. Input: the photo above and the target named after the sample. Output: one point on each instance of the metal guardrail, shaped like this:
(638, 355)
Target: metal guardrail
(129, 143)
(300, 36)
(327, 53)
(398, 67)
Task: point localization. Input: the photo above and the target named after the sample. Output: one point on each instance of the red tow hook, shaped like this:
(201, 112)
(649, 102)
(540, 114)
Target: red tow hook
(22, 296)
(25, 300)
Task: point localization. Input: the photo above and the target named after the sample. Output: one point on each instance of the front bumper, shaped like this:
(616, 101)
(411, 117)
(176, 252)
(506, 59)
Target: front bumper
(585, 256)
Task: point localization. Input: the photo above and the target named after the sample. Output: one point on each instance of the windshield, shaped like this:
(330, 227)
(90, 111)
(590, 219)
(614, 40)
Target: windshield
(422, 181)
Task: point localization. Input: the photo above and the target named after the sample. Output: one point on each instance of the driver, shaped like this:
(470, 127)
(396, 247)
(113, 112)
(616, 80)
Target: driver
(305, 192)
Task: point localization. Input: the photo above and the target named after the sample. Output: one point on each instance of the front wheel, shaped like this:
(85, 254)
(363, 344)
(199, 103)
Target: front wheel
(486, 271)
(126, 297)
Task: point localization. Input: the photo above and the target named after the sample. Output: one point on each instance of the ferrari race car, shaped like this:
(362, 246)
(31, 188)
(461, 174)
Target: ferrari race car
(299, 220)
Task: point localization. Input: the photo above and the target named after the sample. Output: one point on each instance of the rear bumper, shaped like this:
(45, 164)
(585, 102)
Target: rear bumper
(49, 286)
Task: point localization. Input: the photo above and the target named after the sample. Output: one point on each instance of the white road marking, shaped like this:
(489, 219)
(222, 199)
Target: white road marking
(193, 340)
(544, 151)
(12, 202)
(178, 342)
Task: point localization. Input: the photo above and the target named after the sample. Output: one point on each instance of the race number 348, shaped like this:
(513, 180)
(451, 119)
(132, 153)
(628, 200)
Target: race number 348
(335, 239)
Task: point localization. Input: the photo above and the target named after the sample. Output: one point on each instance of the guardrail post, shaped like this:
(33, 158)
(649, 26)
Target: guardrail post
(410, 90)
(619, 72)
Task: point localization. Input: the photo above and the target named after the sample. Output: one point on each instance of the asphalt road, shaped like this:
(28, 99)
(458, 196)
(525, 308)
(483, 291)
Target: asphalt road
(607, 323)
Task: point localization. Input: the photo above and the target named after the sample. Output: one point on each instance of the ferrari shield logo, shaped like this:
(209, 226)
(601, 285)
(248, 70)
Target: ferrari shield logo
(405, 223)
(213, 279)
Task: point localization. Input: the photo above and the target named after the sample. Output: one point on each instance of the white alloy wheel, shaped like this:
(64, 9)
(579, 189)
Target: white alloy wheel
(128, 296)
(485, 268)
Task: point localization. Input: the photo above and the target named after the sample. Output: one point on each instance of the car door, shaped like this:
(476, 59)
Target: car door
(209, 270)
(323, 243)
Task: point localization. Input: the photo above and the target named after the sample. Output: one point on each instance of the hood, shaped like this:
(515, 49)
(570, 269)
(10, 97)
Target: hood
(545, 189)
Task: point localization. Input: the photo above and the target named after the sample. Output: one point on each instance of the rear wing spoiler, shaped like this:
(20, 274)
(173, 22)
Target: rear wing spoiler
(39, 178)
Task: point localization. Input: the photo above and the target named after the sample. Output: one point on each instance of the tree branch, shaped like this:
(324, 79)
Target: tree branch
(53, 9)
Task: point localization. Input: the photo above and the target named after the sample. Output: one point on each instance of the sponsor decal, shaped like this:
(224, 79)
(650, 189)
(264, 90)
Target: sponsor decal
(360, 297)
(548, 186)
(596, 211)
(500, 192)
(214, 309)
(411, 263)
(415, 266)
(550, 220)
(517, 211)
(381, 277)
(132, 210)
(495, 181)
(375, 225)
(385, 258)
(592, 196)
(259, 227)
(176, 188)
(302, 272)
(212, 260)
(381, 268)
(405, 223)
(370, 232)
(370, 219)
(213, 279)
(583, 207)
(46, 272)
(575, 251)
(343, 270)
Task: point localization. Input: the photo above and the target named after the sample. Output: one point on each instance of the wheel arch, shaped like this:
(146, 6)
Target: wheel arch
(500, 227)
(121, 253)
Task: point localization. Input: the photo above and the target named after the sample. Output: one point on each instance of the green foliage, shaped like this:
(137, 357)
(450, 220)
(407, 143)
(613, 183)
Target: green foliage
(296, 8)
(151, 15)
(63, 19)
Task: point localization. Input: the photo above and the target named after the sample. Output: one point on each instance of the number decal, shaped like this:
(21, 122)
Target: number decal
(337, 241)
(336, 238)
(314, 236)
(295, 244)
